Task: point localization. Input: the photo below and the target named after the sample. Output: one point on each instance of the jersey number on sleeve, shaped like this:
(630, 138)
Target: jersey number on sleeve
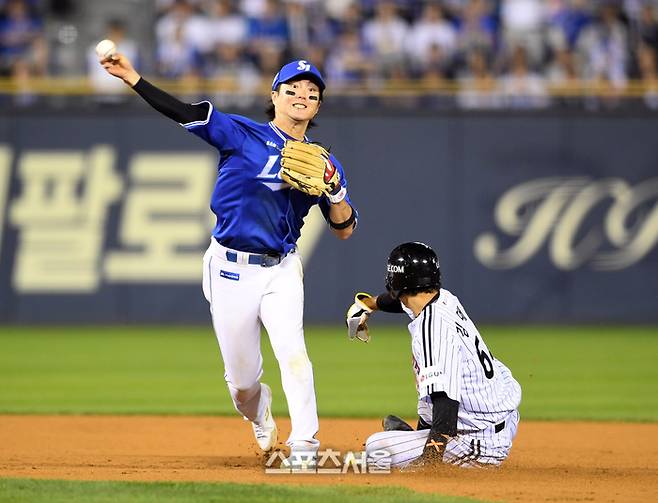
(485, 359)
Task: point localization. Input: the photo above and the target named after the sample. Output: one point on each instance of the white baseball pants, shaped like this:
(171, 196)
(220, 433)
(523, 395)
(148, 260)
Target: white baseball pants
(482, 448)
(241, 297)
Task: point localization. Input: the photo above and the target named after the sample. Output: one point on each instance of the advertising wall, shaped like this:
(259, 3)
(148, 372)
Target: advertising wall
(551, 218)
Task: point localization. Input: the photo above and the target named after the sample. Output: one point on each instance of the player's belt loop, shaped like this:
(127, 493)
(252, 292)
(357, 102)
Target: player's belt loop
(499, 427)
(253, 258)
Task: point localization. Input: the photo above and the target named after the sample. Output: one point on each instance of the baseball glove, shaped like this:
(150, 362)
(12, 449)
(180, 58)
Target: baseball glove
(394, 423)
(306, 167)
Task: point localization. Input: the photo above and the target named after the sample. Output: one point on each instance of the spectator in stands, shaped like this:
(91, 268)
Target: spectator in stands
(631, 12)
(337, 9)
(351, 19)
(267, 37)
(648, 26)
(253, 8)
(646, 57)
(224, 24)
(432, 41)
(318, 55)
(180, 41)
(521, 87)
(436, 68)
(349, 61)
(603, 48)
(454, 8)
(321, 28)
(476, 28)
(566, 23)
(22, 43)
(561, 71)
(269, 29)
(522, 25)
(163, 7)
(477, 86)
(384, 36)
(101, 81)
(299, 29)
(269, 59)
(365, 41)
(407, 9)
(236, 78)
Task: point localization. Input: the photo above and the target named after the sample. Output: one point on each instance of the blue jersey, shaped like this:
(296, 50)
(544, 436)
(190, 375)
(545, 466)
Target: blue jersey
(256, 210)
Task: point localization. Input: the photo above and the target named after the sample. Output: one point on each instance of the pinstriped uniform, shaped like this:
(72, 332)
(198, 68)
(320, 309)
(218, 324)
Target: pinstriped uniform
(450, 355)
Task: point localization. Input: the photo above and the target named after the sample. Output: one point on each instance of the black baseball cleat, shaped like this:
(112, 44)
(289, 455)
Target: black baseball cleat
(394, 423)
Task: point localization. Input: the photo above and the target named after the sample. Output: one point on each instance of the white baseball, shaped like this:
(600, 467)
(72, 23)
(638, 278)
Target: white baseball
(105, 49)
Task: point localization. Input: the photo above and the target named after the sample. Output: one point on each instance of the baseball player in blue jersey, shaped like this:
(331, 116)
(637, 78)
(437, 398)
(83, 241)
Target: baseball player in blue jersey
(252, 274)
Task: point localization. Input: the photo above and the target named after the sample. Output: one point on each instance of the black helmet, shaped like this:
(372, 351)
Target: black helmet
(412, 266)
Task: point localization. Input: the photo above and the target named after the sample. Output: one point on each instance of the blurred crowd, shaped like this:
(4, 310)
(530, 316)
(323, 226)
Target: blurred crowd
(23, 46)
(490, 52)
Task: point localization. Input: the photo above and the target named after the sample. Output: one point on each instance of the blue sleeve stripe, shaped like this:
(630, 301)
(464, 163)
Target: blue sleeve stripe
(199, 123)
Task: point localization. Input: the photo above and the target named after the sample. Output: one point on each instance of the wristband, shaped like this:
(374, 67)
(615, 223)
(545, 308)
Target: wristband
(343, 225)
(338, 196)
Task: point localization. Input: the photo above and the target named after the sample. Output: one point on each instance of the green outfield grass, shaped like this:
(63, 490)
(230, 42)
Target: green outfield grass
(599, 373)
(56, 491)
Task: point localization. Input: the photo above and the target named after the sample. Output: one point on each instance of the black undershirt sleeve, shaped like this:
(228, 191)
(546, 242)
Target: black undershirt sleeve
(444, 414)
(388, 304)
(167, 105)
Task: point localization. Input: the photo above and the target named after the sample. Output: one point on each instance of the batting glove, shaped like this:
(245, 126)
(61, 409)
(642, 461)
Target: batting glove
(357, 318)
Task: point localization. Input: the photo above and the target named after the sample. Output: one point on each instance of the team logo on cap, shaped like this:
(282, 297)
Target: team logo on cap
(302, 65)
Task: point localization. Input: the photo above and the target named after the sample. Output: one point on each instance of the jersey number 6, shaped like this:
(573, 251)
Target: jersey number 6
(485, 360)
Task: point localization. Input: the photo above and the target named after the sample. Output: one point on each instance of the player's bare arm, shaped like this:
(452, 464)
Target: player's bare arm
(342, 212)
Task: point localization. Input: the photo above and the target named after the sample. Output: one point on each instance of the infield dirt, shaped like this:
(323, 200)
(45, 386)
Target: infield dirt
(550, 461)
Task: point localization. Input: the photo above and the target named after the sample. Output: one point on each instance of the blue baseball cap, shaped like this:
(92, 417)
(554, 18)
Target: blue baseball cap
(296, 69)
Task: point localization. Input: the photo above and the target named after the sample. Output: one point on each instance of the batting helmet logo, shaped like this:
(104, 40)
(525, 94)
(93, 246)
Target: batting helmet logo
(412, 266)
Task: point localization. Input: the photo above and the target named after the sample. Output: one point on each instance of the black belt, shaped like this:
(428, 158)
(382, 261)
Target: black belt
(499, 427)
